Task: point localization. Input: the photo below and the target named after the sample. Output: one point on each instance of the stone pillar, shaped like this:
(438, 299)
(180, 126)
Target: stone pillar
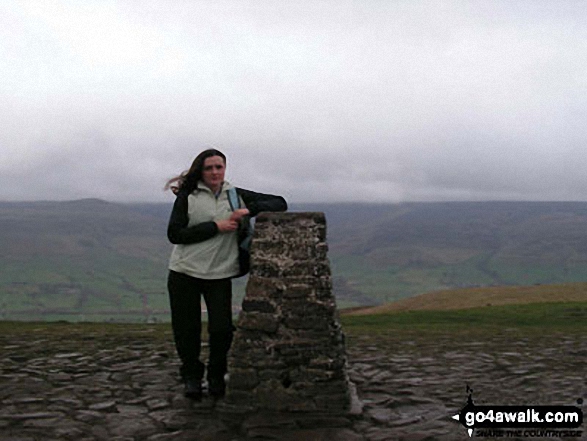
(288, 352)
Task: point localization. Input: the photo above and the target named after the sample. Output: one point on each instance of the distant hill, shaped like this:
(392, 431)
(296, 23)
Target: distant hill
(98, 260)
(383, 253)
(82, 258)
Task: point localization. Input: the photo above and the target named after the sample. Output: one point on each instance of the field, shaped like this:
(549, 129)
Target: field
(565, 317)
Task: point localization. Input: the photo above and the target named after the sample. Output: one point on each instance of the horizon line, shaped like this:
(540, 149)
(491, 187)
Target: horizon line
(326, 202)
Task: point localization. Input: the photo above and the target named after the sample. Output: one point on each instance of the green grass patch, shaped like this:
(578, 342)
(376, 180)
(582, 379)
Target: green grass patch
(548, 317)
(110, 334)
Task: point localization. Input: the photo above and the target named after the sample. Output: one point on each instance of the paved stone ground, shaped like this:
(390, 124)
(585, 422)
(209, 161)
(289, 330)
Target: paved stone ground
(76, 383)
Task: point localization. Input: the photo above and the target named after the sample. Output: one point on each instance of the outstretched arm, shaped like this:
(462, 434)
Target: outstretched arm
(258, 202)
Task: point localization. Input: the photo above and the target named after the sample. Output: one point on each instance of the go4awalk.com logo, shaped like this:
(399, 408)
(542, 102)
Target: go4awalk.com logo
(520, 421)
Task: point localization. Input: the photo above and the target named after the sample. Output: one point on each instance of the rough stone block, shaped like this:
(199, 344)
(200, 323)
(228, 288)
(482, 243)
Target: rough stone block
(288, 352)
(259, 321)
(258, 306)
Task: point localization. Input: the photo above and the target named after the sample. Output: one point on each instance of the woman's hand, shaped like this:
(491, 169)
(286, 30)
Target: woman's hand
(237, 215)
(231, 224)
(227, 225)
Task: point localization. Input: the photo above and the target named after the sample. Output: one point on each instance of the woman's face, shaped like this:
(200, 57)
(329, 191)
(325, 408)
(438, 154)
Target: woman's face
(213, 172)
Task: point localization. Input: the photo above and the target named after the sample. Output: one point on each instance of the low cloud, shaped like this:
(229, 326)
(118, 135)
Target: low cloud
(319, 101)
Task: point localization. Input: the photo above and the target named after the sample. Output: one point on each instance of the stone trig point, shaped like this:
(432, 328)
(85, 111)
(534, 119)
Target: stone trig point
(288, 353)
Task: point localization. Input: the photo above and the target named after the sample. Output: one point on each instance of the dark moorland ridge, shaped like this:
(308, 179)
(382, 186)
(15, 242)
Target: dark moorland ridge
(92, 259)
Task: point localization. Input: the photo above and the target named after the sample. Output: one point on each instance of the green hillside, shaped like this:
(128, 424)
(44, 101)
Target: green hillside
(95, 260)
(391, 252)
(482, 312)
(71, 259)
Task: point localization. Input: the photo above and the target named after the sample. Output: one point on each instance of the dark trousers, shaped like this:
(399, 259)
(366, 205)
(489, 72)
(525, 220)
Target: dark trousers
(185, 299)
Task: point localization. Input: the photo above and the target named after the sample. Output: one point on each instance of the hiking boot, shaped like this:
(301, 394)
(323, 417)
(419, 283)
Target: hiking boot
(216, 387)
(193, 389)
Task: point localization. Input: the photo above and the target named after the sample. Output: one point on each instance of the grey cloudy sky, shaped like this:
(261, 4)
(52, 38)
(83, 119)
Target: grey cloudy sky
(316, 100)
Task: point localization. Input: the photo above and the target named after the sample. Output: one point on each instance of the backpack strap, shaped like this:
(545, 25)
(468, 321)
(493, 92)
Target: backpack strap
(233, 199)
(235, 204)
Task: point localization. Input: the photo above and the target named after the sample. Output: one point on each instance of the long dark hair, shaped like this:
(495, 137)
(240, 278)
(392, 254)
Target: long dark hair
(188, 180)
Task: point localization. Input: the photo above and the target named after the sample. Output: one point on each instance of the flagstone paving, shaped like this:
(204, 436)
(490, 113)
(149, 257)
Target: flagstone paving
(79, 384)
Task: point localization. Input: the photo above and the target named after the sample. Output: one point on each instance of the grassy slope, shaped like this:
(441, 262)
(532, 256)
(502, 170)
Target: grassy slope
(530, 319)
(480, 312)
(460, 299)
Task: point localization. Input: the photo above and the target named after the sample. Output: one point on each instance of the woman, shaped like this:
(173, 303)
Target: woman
(204, 228)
